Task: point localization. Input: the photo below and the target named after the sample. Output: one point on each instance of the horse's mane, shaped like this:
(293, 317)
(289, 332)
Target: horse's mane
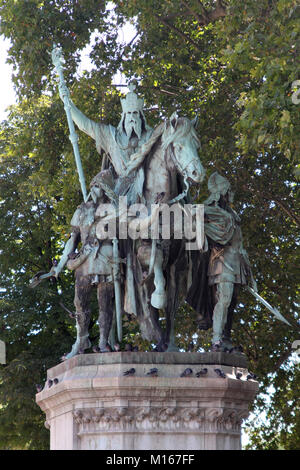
(183, 127)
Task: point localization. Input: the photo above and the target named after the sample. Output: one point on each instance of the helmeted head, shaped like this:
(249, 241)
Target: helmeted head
(218, 186)
(95, 188)
(133, 118)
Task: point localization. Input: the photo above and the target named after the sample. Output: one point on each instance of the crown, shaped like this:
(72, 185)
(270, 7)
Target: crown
(132, 102)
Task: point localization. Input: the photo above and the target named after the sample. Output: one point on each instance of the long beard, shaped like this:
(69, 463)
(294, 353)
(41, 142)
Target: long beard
(135, 126)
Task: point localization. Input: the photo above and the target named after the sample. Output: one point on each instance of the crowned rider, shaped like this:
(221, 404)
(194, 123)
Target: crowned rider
(121, 142)
(126, 148)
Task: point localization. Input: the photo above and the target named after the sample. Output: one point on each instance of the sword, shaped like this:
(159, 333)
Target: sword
(273, 310)
(57, 60)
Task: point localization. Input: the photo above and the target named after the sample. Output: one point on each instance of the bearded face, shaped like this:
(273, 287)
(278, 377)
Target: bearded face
(133, 122)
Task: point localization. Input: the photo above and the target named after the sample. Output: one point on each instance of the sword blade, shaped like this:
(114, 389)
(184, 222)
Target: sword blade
(273, 310)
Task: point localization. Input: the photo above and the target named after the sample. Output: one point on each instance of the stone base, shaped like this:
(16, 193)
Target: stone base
(94, 406)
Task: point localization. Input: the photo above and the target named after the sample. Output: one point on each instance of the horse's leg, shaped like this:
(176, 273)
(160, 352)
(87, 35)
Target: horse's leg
(159, 297)
(81, 302)
(148, 317)
(105, 295)
(172, 306)
(147, 314)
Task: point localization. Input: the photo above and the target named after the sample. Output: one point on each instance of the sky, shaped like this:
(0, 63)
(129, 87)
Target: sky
(7, 94)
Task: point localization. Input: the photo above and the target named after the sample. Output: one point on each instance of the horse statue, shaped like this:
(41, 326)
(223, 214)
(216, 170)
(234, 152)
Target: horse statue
(161, 172)
(140, 274)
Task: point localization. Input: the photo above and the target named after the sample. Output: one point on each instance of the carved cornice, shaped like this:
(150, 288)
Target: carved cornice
(229, 419)
(156, 418)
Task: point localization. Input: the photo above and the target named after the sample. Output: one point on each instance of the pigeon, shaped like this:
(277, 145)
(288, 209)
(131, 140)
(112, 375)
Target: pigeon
(220, 373)
(129, 372)
(50, 383)
(238, 375)
(251, 376)
(106, 349)
(186, 373)
(128, 347)
(202, 372)
(117, 347)
(96, 349)
(38, 387)
(135, 349)
(161, 348)
(55, 381)
(153, 372)
(237, 349)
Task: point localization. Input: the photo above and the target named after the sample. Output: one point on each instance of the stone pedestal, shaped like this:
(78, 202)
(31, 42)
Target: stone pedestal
(94, 405)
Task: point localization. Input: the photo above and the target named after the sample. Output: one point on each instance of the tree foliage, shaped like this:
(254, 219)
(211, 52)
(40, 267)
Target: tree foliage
(232, 63)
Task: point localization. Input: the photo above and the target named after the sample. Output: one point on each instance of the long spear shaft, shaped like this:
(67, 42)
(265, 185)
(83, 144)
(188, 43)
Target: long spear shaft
(57, 60)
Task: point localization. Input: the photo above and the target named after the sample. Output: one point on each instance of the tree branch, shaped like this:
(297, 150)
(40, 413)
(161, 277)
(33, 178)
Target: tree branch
(180, 33)
(204, 18)
(192, 12)
(288, 211)
(283, 358)
(203, 10)
(212, 16)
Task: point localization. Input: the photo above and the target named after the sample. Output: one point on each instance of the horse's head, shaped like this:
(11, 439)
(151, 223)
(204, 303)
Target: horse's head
(181, 139)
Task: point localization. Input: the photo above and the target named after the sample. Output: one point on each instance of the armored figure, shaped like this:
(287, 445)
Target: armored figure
(223, 267)
(92, 266)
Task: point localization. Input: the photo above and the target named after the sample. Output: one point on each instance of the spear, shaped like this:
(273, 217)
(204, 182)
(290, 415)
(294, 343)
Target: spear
(116, 277)
(58, 61)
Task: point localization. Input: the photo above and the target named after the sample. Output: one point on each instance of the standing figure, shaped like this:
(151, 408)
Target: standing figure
(223, 267)
(92, 265)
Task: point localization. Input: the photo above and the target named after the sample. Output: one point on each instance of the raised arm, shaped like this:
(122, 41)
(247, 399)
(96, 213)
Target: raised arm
(84, 123)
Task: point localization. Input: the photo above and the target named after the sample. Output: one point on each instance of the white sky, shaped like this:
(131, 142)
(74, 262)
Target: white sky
(7, 94)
